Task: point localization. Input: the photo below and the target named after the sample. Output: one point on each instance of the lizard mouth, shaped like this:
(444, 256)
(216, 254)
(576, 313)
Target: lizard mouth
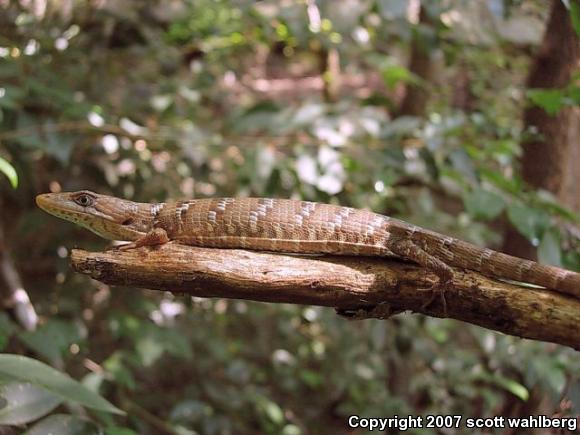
(46, 202)
(43, 200)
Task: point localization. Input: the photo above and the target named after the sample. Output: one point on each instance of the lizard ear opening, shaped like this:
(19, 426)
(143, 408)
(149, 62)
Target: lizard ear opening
(128, 221)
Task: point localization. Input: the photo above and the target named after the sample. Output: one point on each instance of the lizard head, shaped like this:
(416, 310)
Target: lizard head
(109, 217)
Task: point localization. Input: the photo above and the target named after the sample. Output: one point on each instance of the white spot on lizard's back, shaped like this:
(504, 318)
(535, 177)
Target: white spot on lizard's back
(179, 211)
(212, 216)
(523, 268)
(262, 209)
(446, 242)
(484, 257)
(377, 223)
(222, 203)
(253, 218)
(343, 214)
(268, 202)
(561, 276)
(329, 226)
(278, 230)
(306, 208)
(156, 208)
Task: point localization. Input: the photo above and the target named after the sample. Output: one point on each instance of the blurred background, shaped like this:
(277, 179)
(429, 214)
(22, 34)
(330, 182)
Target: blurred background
(455, 115)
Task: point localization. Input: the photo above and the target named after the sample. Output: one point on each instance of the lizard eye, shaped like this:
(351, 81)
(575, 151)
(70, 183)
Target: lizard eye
(84, 200)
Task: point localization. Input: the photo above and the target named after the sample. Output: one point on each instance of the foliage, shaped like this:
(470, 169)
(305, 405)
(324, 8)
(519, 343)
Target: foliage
(575, 16)
(220, 98)
(554, 100)
(8, 170)
(31, 389)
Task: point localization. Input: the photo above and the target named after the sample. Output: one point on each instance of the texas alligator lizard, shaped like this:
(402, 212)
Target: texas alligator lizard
(294, 227)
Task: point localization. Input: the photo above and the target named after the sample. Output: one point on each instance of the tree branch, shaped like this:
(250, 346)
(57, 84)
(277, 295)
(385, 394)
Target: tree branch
(13, 293)
(346, 283)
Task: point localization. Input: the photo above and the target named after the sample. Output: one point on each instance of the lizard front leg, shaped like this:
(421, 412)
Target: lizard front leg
(411, 251)
(157, 236)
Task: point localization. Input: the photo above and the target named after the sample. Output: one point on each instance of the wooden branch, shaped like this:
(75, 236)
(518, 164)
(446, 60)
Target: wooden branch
(13, 293)
(346, 283)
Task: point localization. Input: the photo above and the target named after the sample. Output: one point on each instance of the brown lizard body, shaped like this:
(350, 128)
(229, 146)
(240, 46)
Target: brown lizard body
(295, 227)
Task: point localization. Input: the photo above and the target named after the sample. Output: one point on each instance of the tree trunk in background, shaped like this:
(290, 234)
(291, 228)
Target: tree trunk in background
(570, 190)
(549, 159)
(420, 64)
(330, 73)
(463, 98)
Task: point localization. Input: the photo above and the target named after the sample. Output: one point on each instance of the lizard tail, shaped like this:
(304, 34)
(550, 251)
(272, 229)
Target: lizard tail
(492, 263)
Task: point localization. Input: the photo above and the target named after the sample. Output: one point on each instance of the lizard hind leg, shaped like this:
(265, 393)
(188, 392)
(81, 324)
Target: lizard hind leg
(411, 251)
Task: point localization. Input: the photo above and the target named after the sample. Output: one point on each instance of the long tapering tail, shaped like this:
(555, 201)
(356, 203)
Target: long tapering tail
(489, 262)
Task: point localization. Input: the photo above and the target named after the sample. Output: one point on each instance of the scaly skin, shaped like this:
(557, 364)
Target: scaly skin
(293, 226)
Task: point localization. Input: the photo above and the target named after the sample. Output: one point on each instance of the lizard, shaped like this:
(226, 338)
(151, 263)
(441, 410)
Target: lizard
(294, 226)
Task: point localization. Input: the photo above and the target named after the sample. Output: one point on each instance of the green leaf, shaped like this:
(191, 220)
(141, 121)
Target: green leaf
(64, 425)
(7, 329)
(272, 410)
(10, 97)
(189, 411)
(291, 429)
(551, 100)
(482, 204)
(311, 378)
(513, 387)
(549, 251)
(461, 162)
(401, 126)
(439, 332)
(52, 339)
(573, 394)
(24, 369)
(41, 134)
(512, 185)
(549, 204)
(151, 342)
(575, 16)
(574, 94)
(394, 74)
(529, 221)
(548, 372)
(8, 170)
(149, 349)
(116, 366)
(23, 402)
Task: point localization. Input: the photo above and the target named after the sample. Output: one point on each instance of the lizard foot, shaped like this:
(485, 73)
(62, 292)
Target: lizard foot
(412, 251)
(438, 290)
